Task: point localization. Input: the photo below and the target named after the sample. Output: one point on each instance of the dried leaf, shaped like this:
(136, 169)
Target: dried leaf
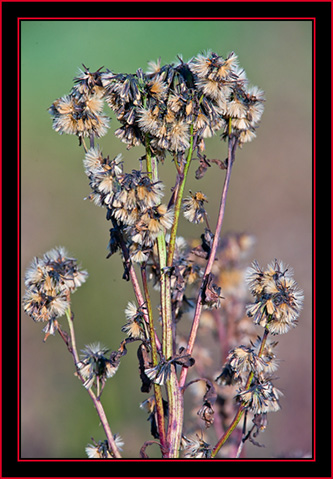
(144, 363)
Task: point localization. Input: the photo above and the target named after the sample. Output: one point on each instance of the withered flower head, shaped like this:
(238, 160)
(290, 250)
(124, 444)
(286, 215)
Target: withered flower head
(101, 449)
(215, 75)
(193, 207)
(211, 294)
(179, 134)
(228, 376)
(271, 363)
(136, 203)
(195, 447)
(149, 193)
(135, 326)
(124, 95)
(225, 92)
(244, 109)
(244, 360)
(95, 366)
(157, 219)
(239, 363)
(89, 82)
(80, 114)
(103, 175)
(42, 306)
(278, 299)
(55, 269)
(206, 412)
(262, 397)
(49, 281)
(166, 105)
(214, 67)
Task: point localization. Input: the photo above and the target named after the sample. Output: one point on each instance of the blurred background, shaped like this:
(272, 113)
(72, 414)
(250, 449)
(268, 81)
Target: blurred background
(270, 197)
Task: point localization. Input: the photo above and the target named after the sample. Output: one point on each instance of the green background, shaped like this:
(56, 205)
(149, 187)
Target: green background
(270, 197)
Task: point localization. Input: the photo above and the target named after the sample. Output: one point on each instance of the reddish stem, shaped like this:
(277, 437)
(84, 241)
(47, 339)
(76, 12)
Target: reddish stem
(195, 324)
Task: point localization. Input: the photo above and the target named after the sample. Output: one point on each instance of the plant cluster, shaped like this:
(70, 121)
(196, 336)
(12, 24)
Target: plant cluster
(168, 113)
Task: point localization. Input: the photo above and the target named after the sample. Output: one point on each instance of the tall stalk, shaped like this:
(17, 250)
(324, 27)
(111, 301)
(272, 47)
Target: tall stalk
(232, 143)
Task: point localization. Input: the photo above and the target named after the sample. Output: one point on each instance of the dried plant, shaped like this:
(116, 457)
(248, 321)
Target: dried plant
(169, 112)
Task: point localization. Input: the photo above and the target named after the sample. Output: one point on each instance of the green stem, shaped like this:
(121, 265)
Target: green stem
(165, 293)
(176, 412)
(228, 432)
(165, 299)
(178, 202)
(175, 418)
(72, 335)
(175, 398)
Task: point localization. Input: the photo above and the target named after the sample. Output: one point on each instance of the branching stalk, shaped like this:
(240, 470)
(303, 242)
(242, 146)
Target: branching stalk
(98, 405)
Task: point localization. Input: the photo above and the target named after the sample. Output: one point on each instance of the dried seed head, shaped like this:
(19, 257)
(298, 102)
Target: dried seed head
(135, 325)
(278, 299)
(95, 366)
(262, 397)
(79, 115)
(195, 447)
(193, 207)
(49, 281)
(101, 449)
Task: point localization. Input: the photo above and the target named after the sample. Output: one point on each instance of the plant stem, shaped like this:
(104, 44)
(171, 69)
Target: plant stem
(98, 405)
(175, 418)
(165, 299)
(175, 399)
(150, 316)
(165, 293)
(155, 360)
(228, 432)
(176, 413)
(102, 416)
(195, 324)
(72, 335)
